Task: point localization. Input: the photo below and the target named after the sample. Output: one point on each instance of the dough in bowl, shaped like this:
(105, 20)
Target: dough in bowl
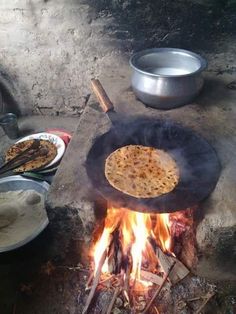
(8, 214)
(22, 215)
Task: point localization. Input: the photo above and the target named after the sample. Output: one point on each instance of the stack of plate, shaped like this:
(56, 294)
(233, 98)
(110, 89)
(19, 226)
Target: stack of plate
(23, 226)
(57, 141)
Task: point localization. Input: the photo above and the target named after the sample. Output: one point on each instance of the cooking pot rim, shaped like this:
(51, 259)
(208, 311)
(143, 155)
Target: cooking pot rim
(135, 57)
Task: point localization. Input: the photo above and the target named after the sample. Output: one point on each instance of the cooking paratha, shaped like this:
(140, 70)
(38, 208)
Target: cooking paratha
(141, 171)
(38, 162)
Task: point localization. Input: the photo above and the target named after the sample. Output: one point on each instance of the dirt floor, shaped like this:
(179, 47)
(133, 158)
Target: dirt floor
(45, 276)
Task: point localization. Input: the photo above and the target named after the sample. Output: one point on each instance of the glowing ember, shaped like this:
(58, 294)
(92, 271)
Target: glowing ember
(135, 229)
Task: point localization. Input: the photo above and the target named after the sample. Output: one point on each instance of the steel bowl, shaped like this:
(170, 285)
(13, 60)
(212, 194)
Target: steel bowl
(166, 78)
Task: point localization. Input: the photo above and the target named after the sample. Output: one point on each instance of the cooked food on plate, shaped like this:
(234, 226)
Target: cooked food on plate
(39, 161)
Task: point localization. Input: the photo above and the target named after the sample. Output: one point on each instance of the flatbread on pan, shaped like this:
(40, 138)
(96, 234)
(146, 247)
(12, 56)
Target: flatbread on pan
(141, 171)
(39, 162)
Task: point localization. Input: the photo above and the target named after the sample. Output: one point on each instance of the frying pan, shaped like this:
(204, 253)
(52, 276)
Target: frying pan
(197, 161)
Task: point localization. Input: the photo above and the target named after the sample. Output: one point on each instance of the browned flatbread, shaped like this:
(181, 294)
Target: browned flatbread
(141, 171)
(38, 162)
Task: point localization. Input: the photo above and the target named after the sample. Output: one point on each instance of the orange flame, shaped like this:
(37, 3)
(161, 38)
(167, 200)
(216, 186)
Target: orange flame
(162, 232)
(135, 228)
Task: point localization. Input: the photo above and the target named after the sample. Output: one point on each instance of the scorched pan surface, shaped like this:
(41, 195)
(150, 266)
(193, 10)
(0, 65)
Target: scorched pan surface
(196, 159)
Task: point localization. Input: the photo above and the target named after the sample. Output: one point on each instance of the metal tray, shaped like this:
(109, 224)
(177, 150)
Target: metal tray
(14, 183)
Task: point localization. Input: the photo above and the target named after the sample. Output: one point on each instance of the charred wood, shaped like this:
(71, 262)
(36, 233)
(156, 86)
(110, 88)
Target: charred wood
(157, 292)
(156, 279)
(179, 272)
(113, 300)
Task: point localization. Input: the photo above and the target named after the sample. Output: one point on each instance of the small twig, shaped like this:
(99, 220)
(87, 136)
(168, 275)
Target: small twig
(113, 300)
(102, 283)
(95, 282)
(193, 299)
(156, 310)
(166, 35)
(208, 297)
(127, 282)
(87, 287)
(78, 297)
(159, 288)
(106, 280)
(39, 109)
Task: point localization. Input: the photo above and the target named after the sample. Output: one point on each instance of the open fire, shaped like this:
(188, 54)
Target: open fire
(135, 253)
(133, 233)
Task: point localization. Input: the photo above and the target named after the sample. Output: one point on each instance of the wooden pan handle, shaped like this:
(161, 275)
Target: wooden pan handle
(102, 96)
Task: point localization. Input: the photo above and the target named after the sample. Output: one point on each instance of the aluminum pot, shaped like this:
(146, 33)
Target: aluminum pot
(166, 78)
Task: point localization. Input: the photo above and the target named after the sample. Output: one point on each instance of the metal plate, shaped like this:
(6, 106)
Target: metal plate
(14, 183)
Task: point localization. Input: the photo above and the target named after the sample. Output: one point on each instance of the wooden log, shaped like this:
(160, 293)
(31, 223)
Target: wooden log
(148, 276)
(179, 272)
(167, 274)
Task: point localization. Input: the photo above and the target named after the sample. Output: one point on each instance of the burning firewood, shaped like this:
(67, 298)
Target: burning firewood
(148, 276)
(126, 281)
(179, 272)
(134, 261)
(159, 288)
(115, 254)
